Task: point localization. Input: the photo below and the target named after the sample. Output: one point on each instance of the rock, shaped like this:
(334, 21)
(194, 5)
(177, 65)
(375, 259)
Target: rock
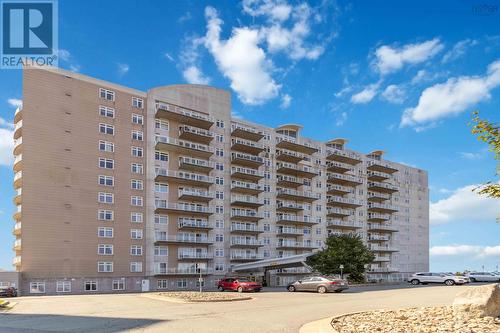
(482, 301)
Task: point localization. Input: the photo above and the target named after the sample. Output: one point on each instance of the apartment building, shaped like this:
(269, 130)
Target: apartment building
(123, 190)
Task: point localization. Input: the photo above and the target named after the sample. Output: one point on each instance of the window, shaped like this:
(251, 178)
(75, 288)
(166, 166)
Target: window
(219, 138)
(137, 103)
(161, 188)
(37, 287)
(219, 180)
(119, 284)
(136, 267)
(105, 215)
(219, 166)
(106, 163)
(136, 233)
(219, 209)
(220, 123)
(137, 152)
(161, 156)
(136, 184)
(136, 168)
(106, 180)
(219, 152)
(105, 266)
(219, 194)
(106, 94)
(161, 251)
(90, 286)
(219, 224)
(136, 250)
(136, 217)
(219, 267)
(182, 283)
(161, 219)
(161, 124)
(105, 232)
(63, 286)
(104, 197)
(219, 252)
(137, 119)
(105, 249)
(136, 201)
(219, 238)
(162, 284)
(106, 129)
(106, 146)
(137, 135)
(106, 111)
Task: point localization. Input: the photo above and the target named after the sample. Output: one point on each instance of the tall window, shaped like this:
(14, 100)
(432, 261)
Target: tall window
(106, 129)
(106, 111)
(106, 146)
(137, 103)
(137, 135)
(106, 180)
(119, 284)
(136, 168)
(136, 217)
(105, 249)
(161, 156)
(63, 286)
(37, 287)
(136, 250)
(106, 94)
(137, 119)
(105, 215)
(136, 184)
(104, 197)
(137, 152)
(161, 124)
(136, 200)
(136, 233)
(104, 232)
(106, 163)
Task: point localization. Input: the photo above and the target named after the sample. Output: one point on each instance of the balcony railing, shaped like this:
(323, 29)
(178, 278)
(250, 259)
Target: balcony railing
(339, 167)
(288, 205)
(290, 231)
(246, 228)
(297, 194)
(381, 166)
(378, 217)
(245, 242)
(295, 144)
(377, 227)
(184, 144)
(235, 184)
(246, 173)
(344, 179)
(289, 155)
(196, 162)
(334, 211)
(290, 181)
(381, 207)
(377, 238)
(252, 145)
(184, 175)
(245, 214)
(183, 271)
(194, 255)
(16, 261)
(190, 208)
(183, 238)
(194, 192)
(385, 187)
(246, 158)
(196, 118)
(184, 222)
(343, 155)
(292, 244)
(293, 219)
(196, 131)
(244, 256)
(344, 201)
(382, 248)
(338, 189)
(334, 223)
(246, 199)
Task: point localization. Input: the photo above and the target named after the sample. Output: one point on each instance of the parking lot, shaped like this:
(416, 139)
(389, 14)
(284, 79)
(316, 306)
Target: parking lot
(273, 310)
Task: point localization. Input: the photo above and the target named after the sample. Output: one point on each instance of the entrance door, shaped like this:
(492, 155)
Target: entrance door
(145, 285)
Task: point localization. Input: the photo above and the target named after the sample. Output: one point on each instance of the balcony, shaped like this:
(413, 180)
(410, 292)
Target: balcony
(381, 166)
(18, 144)
(248, 242)
(183, 271)
(188, 256)
(289, 206)
(247, 146)
(191, 209)
(18, 130)
(246, 215)
(343, 156)
(338, 189)
(382, 187)
(18, 163)
(184, 239)
(183, 177)
(246, 173)
(245, 187)
(18, 199)
(246, 201)
(340, 224)
(296, 170)
(183, 115)
(295, 145)
(18, 180)
(195, 164)
(289, 231)
(376, 217)
(294, 220)
(195, 134)
(195, 194)
(285, 244)
(241, 228)
(185, 223)
(307, 196)
(18, 114)
(248, 160)
(382, 248)
(17, 229)
(338, 212)
(168, 144)
(16, 261)
(289, 181)
(343, 202)
(338, 167)
(378, 239)
(246, 132)
(17, 245)
(289, 156)
(344, 179)
(382, 258)
(245, 257)
(381, 208)
(377, 176)
(376, 227)
(18, 214)
(378, 196)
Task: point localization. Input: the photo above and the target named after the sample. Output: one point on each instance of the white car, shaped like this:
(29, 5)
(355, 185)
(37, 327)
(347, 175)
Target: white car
(483, 277)
(427, 277)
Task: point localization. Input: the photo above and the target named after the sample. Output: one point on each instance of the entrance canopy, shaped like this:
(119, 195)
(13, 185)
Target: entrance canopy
(298, 260)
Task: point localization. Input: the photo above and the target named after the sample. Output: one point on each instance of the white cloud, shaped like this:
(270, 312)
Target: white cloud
(343, 91)
(75, 68)
(464, 205)
(17, 103)
(286, 100)
(241, 60)
(390, 59)
(365, 95)
(63, 54)
(458, 50)
(341, 119)
(460, 250)
(5, 123)
(193, 75)
(394, 94)
(169, 57)
(452, 97)
(6, 146)
(472, 156)
(123, 68)
(186, 17)
(274, 10)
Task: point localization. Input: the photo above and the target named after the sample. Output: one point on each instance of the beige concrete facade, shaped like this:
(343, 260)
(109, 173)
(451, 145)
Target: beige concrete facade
(208, 191)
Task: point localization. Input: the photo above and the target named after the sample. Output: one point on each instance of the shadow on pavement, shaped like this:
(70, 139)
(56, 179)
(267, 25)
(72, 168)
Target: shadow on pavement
(29, 323)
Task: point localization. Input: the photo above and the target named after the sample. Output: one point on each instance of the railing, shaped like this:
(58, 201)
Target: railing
(334, 210)
(340, 223)
(379, 216)
(17, 243)
(184, 175)
(379, 238)
(305, 194)
(290, 205)
(17, 226)
(194, 255)
(196, 131)
(379, 195)
(283, 243)
(292, 218)
(291, 231)
(378, 174)
(381, 206)
(245, 227)
(246, 171)
(344, 153)
(246, 198)
(183, 143)
(244, 128)
(182, 111)
(244, 213)
(163, 204)
(250, 186)
(377, 226)
(290, 179)
(244, 241)
(244, 256)
(382, 185)
(381, 164)
(340, 165)
(196, 162)
(297, 167)
(19, 124)
(18, 158)
(247, 143)
(182, 271)
(339, 188)
(382, 248)
(336, 199)
(350, 178)
(291, 153)
(195, 193)
(18, 175)
(280, 138)
(17, 142)
(16, 260)
(184, 222)
(184, 238)
(246, 157)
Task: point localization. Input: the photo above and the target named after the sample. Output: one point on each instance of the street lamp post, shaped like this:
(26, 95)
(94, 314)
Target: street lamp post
(341, 270)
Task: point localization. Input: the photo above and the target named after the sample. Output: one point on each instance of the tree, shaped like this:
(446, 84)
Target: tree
(344, 250)
(488, 132)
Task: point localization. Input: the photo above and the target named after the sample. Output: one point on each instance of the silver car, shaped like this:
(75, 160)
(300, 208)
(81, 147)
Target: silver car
(428, 277)
(320, 284)
(483, 277)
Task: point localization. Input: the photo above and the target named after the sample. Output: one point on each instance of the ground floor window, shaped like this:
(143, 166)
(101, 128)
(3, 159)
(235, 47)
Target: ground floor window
(90, 286)
(162, 284)
(182, 283)
(63, 286)
(119, 284)
(37, 287)
(202, 283)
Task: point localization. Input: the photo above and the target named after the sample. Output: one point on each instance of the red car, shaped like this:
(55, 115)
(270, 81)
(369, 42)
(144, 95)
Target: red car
(238, 284)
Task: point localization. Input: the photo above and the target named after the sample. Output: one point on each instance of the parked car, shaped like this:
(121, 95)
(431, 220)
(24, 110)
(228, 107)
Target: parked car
(239, 285)
(320, 284)
(427, 277)
(8, 292)
(467, 280)
(483, 277)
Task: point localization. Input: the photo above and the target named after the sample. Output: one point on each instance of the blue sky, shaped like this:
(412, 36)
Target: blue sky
(403, 78)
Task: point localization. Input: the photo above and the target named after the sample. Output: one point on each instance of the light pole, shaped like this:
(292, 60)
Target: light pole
(341, 270)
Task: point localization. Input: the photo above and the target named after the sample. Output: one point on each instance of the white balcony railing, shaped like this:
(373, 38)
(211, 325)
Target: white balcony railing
(184, 175)
(164, 204)
(182, 111)
(183, 143)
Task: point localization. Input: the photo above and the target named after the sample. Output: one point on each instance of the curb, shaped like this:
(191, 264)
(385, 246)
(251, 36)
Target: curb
(325, 325)
(178, 300)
